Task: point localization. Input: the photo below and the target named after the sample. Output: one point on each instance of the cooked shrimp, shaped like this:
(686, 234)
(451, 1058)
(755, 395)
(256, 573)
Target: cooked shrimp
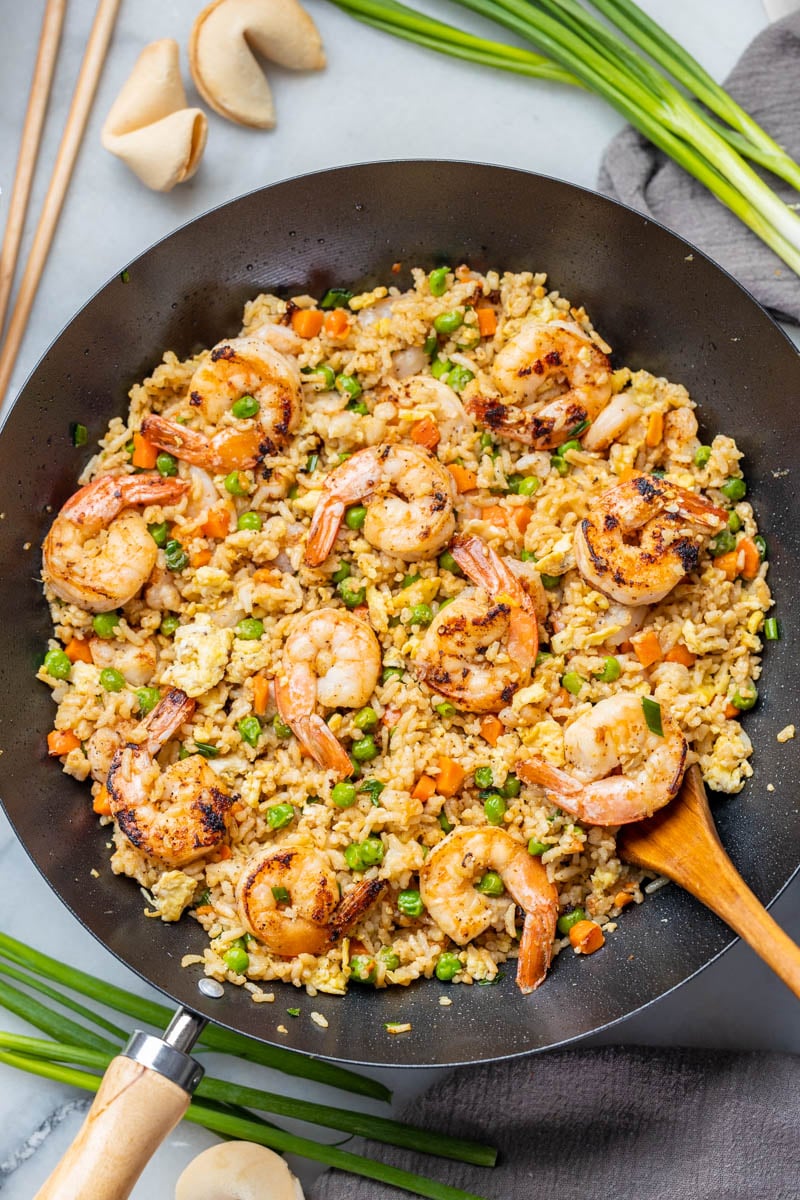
(409, 498)
(314, 918)
(447, 886)
(178, 814)
(613, 735)
(433, 397)
(615, 419)
(136, 662)
(531, 371)
(452, 657)
(235, 369)
(642, 537)
(98, 553)
(333, 660)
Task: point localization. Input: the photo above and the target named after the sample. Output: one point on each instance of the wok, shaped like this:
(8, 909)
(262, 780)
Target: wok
(659, 302)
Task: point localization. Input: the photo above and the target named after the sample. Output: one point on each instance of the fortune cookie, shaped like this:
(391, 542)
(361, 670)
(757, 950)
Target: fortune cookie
(225, 70)
(149, 126)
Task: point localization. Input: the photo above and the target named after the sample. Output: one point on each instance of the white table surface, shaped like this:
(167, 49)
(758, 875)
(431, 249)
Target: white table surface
(379, 98)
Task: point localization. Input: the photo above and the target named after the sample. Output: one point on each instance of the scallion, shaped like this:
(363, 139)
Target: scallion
(652, 715)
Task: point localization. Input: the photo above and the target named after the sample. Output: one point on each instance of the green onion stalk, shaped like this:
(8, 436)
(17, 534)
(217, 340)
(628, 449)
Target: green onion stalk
(589, 53)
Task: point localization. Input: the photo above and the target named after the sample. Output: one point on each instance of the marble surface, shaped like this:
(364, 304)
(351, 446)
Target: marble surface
(389, 100)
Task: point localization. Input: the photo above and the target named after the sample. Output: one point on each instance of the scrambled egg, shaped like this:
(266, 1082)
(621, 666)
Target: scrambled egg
(171, 894)
(201, 656)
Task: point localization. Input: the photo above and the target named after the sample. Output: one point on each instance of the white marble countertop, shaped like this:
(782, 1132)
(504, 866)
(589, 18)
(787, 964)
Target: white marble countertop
(391, 100)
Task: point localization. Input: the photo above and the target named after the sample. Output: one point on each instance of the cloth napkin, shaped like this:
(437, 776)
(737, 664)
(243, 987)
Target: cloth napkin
(766, 82)
(615, 1123)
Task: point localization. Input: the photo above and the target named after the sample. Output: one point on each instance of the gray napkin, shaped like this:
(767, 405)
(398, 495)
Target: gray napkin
(766, 82)
(617, 1123)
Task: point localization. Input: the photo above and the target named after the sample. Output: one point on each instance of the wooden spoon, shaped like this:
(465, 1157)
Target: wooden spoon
(681, 842)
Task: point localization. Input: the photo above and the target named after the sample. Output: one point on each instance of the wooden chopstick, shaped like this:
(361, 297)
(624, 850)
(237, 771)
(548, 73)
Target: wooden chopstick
(42, 82)
(82, 98)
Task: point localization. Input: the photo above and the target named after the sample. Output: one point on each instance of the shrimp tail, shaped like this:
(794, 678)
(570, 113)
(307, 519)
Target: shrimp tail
(325, 523)
(353, 906)
(97, 503)
(229, 449)
(173, 710)
(535, 950)
(323, 746)
(541, 772)
(523, 637)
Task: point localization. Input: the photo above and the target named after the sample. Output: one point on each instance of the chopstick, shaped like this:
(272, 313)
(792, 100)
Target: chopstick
(82, 97)
(42, 82)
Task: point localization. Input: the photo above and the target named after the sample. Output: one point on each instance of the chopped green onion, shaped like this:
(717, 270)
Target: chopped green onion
(760, 544)
(280, 894)
(652, 715)
(745, 697)
(80, 434)
(205, 749)
(772, 629)
(312, 462)
(373, 788)
(336, 298)
(580, 428)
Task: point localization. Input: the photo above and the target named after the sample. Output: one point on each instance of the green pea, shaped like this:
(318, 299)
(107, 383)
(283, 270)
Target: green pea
(734, 521)
(448, 563)
(279, 815)
(409, 579)
(294, 492)
(364, 750)
(722, 543)
(342, 572)
(551, 582)
(542, 656)
(529, 485)
(349, 386)
(351, 597)
(352, 856)
(527, 556)
(360, 407)
(366, 719)
(169, 624)
(176, 556)
(573, 444)
(112, 680)
(445, 709)
(512, 787)
(487, 441)
(440, 368)
(392, 673)
(57, 664)
(760, 544)
(612, 670)
(420, 614)
(236, 484)
(447, 966)
(458, 377)
(410, 903)
(249, 730)
(494, 807)
(355, 517)
(250, 629)
(745, 698)
(363, 969)
(236, 960)
(491, 884)
(387, 956)
(560, 464)
(281, 728)
(572, 682)
(734, 489)
(701, 455)
(444, 823)
(343, 794)
(148, 698)
(336, 297)
(249, 520)
(372, 851)
(280, 894)
(448, 322)
(484, 777)
(437, 281)
(537, 848)
(166, 465)
(159, 533)
(105, 623)
(772, 629)
(244, 407)
(567, 920)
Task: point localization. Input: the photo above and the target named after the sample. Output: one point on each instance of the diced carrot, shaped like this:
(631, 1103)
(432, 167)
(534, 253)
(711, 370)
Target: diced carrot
(628, 473)
(397, 268)
(450, 777)
(144, 452)
(217, 523)
(586, 937)
(424, 788)
(307, 322)
(260, 694)
(622, 899)
(655, 429)
(520, 517)
(200, 558)
(679, 654)
(491, 729)
(495, 514)
(731, 711)
(224, 851)
(390, 717)
(729, 564)
(562, 697)
(102, 803)
(465, 480)
(523, 636)
(487, 322)
(425, 433)
(647, 647)
(625, 647)
(78, 650)
(266, 575)
(61, 741)
(337, 323)
(203, 910)
(750, 560)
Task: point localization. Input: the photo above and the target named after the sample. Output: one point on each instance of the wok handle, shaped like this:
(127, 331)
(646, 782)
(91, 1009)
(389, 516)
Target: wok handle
(141, 1098)
(132, 1113)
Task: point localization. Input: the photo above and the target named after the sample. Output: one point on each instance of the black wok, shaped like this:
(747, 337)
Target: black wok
(659, 302)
